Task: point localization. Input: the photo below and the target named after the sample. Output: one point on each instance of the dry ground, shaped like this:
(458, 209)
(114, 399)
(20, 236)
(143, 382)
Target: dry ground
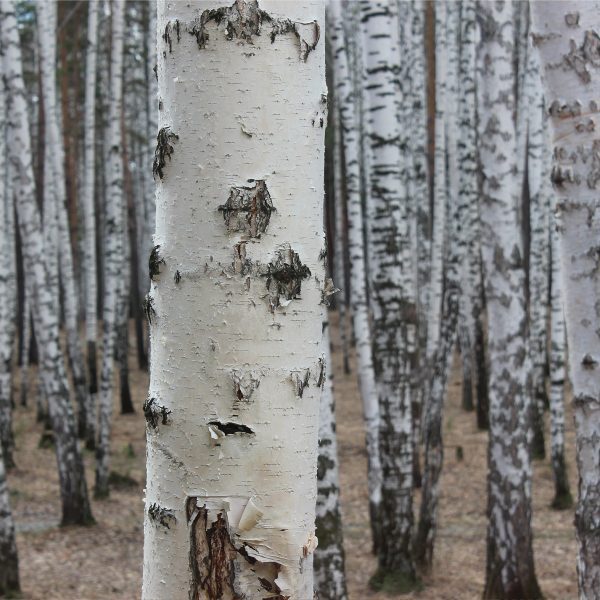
(104, 561)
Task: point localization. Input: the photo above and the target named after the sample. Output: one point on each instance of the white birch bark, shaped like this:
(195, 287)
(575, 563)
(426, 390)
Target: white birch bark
(56, 183)
(510, 570)
(562, 492)
(330, 579)
(232, 438)
(89, 213)
(75, 505)
(113, 259)
(538, 172)
(349, 121)
(391, 301)
(9, 560)
(567, 35)
(7, 289)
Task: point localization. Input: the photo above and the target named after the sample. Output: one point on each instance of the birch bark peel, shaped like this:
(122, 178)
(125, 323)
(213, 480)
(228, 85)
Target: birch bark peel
(567, 37)
(218, 329)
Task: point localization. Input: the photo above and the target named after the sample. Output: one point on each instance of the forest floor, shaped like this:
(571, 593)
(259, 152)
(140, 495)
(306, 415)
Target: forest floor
(105, 560)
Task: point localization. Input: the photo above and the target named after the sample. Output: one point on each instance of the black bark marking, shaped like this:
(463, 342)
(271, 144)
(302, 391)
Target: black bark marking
(230, 428)
(301, 382)
(284, 276)
(164, 150)
(154, 262)
(248, 209)
(572, 19)
(243, 20)
(177, 277)
(170, 27)
(154, 413)
(322, 371)
(589, 362)
(148, 308)
(161, 515)
(581, 57)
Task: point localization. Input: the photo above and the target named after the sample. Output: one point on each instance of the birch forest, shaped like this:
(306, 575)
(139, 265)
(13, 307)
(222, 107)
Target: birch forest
(300, 299)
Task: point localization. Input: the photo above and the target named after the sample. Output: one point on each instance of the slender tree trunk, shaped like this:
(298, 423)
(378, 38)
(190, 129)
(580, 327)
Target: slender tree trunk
(75, 504)
(562, 492)
(9, 560)
(232, 440)
(391, 302)
(510, 569)
(330, 579)
(348, 120)
(89, 212)
(567, 38)
(55, 164)
(113, 249)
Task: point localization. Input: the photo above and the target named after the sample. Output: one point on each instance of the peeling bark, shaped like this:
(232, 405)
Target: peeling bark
(566, 34)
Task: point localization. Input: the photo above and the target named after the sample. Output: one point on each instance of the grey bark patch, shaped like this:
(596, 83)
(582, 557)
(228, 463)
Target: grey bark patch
(245, 383)
(162, 516)
(148, 308)
(243, 21)
(155, 413)
(154, 262)
(284, 276)
(164, 150)
(580, 58)
(572, 19)
(248, 209)
(300, 381)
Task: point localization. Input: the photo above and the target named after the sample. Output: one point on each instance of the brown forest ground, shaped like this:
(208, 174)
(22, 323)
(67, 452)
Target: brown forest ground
(105, 560)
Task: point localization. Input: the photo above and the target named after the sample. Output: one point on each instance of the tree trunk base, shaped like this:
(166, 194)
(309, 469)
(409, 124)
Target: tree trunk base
(394, 582)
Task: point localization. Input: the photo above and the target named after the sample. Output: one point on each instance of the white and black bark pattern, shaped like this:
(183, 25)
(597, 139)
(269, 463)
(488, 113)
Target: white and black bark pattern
(330, 579)
(7, 288)
(9, 560)
(468, 194)
(568, 37)
(235, 385)
(56, 183)
(510, 569)
(75, 505)
(89, 213)
(346, 104)
(540, 191)
(113, 253)
(391, 305)
(432, 433)
(562, 492)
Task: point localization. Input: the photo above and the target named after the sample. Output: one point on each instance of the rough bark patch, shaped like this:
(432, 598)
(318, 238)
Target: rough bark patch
(164, 150)
(284, 277)
(148, 308)
(161, 515)
(154, 262)
(154, 413)
(248, 209)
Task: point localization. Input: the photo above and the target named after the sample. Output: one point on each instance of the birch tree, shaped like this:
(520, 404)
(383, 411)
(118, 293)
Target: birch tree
(9, 560)
(568, 40)
(510, 570)
(562, 492)
(349, 123)
(232, 436)
(391, 302)
(89, 211)
(56, 184)
(330, 580)
(75, 504)
(113, 235)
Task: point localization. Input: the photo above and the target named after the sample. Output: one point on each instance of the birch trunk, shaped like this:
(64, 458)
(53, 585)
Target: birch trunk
(232, 439)
(391, 302)
(510, 569)
(538, 172)
(9, 560)
(7, 289)
(56, 183)
(562, 492)
(330, 580)
(89, 212)
(568, 40)
(75, 505)
(348, 120)
(113, 262)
